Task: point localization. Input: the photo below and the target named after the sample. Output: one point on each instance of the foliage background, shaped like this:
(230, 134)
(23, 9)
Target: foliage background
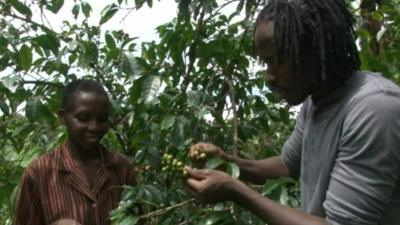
(199, 82)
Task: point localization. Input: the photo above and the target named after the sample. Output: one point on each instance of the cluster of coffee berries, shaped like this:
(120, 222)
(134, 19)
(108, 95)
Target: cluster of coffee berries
(198, 155)
(172, 166)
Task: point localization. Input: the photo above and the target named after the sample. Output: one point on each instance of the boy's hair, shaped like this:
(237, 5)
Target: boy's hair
(80, 85)
(324, 27)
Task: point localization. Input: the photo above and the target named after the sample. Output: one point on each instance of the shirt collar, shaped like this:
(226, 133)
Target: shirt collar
(353, 82)
(64, 161)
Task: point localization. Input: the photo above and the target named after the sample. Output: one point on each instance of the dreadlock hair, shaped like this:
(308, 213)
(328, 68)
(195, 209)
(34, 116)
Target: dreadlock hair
(80, 85)
(324, 27)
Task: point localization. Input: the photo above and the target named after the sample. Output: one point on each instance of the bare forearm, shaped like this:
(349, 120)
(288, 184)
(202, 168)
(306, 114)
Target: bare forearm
(270, 211)
(258, 171)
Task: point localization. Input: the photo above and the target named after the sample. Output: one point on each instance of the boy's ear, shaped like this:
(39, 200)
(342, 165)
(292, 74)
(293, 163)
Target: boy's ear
(61, 115)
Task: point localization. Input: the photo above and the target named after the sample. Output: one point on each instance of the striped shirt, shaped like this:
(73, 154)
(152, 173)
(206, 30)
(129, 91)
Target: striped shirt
(53, 188)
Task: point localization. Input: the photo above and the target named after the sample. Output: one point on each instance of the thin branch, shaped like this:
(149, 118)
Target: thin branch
(371, 25)
(231, 68)
(43, 27)
(166, 209)
(232, 97)
(192, 53)
(127, 14)
(235, 116)
(43, 15)
(221, 7)
(206, 88)
(40, 82)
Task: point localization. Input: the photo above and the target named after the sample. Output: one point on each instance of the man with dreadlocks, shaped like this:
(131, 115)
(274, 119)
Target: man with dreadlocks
(345, 146)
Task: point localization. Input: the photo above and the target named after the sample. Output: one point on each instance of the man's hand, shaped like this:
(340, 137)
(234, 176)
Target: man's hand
(210, 186)
(200, 152)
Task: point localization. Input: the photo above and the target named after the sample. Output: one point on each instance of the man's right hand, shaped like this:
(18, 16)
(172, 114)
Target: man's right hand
(200, 152)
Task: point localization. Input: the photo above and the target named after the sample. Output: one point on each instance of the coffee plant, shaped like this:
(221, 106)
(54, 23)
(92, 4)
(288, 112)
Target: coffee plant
(198, 82)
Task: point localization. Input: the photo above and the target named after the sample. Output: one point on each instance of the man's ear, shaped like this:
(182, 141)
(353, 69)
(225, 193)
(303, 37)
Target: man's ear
(61, 115)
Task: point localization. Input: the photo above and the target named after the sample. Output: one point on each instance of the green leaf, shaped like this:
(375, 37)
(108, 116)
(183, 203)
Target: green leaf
(3, 42)
(108, 12)
(150, 3)
(129, 220)
(72, 58)
(48, 41)
(4, 108)
(387, 9)
(284, 198)
(214, 163)
(151, 192)
(233, 170)
(363, 33)
(250, 4)
(272, 185)
(178, 133)
(130, 65)
(139, 3)
(75, 11)
(10, 82)
(201, 112)
(151, 86)
(86, 9)
(217, 218)
(110, 41)
(21, 8)
(195, 97)
(377, 16)
(25, 58)
(34, 109)
(90, 53)
(55, 6)
(167, 122)
(284, 115)
(183, 9)
(240, 6)
(4, 62)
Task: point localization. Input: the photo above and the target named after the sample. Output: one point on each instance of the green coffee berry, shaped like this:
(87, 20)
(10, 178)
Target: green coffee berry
(202, 155)
(184, 173)
(171, 166)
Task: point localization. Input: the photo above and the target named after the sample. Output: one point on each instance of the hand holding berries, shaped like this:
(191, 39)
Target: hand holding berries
(199, 153)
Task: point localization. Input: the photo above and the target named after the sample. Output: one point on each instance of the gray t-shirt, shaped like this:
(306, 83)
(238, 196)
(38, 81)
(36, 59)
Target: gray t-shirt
(346, 151)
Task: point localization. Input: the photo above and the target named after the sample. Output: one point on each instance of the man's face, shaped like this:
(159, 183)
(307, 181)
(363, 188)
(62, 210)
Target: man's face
(87, 119)
(281, 78)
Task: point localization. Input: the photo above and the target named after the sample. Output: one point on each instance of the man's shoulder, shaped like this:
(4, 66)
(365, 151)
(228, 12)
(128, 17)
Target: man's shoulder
(372, 90)
(371, 83)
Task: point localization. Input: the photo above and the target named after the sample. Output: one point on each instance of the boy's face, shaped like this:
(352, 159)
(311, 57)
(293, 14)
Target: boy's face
(281, 78)
(87, 119)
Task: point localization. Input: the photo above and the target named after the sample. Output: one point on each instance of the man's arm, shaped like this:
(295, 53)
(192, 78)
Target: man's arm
(271, 212)
(258, 171)
(255, 171)
(364, 179)
(216, 186)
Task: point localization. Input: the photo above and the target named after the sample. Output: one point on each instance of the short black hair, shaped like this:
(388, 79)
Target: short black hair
(80, 85)
(325, 27)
